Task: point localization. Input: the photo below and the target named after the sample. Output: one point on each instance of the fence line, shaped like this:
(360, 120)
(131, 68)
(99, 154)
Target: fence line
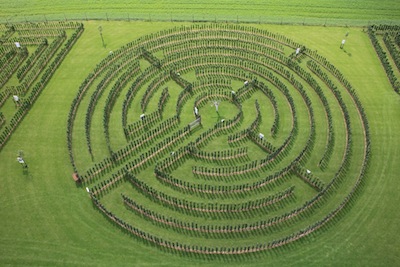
(194, 18)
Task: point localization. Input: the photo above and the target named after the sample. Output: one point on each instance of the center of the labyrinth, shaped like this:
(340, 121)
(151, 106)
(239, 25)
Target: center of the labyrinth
(218, 139)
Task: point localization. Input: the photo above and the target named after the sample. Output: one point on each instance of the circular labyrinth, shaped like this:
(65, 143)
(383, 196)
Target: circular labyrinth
(218, 139)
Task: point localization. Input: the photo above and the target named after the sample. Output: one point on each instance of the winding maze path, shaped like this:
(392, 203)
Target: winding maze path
(284, 154)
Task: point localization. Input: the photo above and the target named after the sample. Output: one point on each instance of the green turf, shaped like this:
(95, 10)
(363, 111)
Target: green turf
(47, 220)
(321, 12)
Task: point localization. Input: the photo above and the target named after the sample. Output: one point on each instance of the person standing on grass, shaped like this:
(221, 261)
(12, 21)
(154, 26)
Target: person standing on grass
(22, 162)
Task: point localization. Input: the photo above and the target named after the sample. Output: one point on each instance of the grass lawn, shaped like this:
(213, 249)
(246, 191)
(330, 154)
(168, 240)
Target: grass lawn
(318, 12)
(47, 220)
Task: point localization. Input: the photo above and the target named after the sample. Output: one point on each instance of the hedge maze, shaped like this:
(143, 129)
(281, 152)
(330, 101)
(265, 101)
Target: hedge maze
(209, 139)
(30, 53)
(218, 139)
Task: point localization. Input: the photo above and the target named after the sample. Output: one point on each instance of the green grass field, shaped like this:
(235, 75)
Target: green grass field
(46, 220)
(294, 11)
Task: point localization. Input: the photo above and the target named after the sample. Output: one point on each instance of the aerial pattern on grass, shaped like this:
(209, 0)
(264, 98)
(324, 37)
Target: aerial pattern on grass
(29, 56)
(218, 139)
(209, 139)
(386, 41)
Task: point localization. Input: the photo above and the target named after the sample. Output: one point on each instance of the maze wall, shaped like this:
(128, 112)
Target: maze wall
(218, 139)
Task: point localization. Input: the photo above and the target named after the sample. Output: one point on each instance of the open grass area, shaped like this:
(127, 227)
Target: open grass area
(261, 11)
(48, 220)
